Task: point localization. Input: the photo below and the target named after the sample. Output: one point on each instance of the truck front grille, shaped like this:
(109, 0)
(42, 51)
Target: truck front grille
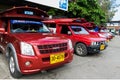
(52, 48)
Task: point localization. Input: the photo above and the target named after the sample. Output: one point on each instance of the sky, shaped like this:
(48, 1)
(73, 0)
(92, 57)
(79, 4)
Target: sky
(117, 14)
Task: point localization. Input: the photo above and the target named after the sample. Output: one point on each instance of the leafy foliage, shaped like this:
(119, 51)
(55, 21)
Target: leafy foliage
(92, 10)
(108, 6)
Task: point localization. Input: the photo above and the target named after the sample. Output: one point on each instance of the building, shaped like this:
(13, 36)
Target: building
(5, 4)
(114, 26)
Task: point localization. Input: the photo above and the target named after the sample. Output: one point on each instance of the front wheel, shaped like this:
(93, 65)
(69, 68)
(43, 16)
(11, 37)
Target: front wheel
(12, 67)
(80, 49)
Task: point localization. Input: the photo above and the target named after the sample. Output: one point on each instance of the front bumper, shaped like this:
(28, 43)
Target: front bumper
(41, 62)
(96, 48)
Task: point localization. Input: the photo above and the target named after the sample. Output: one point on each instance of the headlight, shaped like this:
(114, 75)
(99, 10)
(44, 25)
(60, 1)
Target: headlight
(70, 44)
(26, 49)
(101, 35)
(94, 43)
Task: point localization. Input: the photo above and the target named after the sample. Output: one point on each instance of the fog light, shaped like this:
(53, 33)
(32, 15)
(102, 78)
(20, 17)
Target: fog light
(27, 63)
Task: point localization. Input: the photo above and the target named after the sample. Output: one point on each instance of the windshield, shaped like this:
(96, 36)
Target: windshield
(20, 26)
(90, 29)
(79, 30)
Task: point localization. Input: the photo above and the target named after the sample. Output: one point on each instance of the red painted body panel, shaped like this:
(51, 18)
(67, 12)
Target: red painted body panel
(41, 61)
(85, 38)
(105, 35)
(38, 38)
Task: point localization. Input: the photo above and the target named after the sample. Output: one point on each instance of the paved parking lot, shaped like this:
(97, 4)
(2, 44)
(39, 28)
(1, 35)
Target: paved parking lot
(105, 65)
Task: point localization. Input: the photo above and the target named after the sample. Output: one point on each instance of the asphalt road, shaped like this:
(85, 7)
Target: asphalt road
(105, 65)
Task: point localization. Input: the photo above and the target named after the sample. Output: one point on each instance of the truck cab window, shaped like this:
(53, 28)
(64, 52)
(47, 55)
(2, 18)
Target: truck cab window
(52, 27)
(64, 29)
(79, 30)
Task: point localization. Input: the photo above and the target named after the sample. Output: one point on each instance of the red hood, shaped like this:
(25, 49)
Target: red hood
(38, 38)
(90, 37)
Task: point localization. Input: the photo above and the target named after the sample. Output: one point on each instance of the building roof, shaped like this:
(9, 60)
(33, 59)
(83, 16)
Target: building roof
(114, 21)
(22, 3)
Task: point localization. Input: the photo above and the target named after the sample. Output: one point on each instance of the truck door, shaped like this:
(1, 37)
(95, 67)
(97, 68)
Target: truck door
(65, 30)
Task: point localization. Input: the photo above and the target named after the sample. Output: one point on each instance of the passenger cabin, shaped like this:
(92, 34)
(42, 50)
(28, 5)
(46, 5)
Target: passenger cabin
(15, 13)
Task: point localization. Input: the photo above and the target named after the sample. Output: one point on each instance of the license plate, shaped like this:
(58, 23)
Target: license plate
(55, 58)
(102, 47)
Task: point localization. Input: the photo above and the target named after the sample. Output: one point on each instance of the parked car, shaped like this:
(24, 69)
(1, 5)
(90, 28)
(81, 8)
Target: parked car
(107, 34)
(103, 33)
(83, 41)
(28, 44)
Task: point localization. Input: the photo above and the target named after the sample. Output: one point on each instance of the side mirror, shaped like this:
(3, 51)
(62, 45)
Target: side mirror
(69, 33)
(2, 30)
(51, 31)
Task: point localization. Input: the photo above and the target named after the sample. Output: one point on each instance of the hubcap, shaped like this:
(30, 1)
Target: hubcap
(12, 65)
(79, 50)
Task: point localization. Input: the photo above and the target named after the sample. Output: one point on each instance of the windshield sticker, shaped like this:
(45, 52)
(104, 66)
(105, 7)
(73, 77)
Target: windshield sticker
(24, 21)
(75, 27)
(28, 12)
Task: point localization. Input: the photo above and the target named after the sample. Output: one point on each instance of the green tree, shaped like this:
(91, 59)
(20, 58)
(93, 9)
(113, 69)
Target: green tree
(108, 6)
(92, 10)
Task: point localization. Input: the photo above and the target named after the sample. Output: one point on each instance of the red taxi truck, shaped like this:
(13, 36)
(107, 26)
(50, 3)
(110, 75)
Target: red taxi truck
(83, 41)
(28, 44)
(102, 32)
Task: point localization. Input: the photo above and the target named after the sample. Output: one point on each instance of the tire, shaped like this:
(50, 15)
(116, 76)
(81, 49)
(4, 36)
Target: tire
(80, 49)
(12, 67)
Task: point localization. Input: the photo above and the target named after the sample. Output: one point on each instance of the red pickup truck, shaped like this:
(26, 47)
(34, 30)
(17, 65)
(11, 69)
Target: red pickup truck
(28, 44)
(102, 32)
(82, 40)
